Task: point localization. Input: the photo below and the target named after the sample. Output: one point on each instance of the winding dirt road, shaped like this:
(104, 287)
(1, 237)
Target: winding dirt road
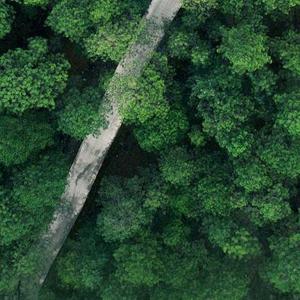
(94, 147)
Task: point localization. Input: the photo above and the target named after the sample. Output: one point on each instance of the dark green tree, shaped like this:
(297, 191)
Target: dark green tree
(83, 112)
(23, 136)
(124, 214)
(6, 18)
(84, 262)
(280, 152)
(25, 210)
(288, 115)
(283, 269)
(270, 205)
(177, 166)
(140, 263)
(287, 48)
(224, 280)
(284, 6)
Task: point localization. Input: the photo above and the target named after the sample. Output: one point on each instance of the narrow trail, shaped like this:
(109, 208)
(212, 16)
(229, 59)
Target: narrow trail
(93, 149)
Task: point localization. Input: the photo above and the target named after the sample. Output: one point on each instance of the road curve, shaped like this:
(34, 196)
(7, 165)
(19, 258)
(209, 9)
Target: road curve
(93, 149)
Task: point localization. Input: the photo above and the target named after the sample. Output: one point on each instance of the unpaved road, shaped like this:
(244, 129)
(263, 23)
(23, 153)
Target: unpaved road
(94, 147)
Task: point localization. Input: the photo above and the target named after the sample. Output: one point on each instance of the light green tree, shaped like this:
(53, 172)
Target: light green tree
(234, 240)
(31, 78)
(105, 28)
(245, 48)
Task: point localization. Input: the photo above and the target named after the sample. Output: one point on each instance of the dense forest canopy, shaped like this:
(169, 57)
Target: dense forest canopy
(199, 196)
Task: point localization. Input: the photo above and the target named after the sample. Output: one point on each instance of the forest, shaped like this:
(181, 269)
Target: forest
(196, 194)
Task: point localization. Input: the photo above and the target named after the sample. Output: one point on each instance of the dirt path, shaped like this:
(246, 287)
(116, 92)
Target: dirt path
(94, 147)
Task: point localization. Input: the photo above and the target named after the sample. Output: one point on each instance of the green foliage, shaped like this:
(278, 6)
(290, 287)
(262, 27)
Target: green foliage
(11, 227)
(224, 281)
(177, 166)
(139, 263)
(287, 48)
(270, 205)
(105, 10)
(183, 45)
(288, 115)
(37, 190)
(185, 202)
(8, 282)
(201, 54)
(245, 48)
(157, 133)
(217, 198)
(196, 4)
(183, 265)
(263, 82)
(251, 174)
(34, 2)
(180, 44)
(80, 114)
(200, 7)
(175, 233)
(6, 18)
(31, 78)
(124, 214)
(115, 290)
(234, 7)
(25, 210)
(281, 5)
(208, 210)
(280, 153)
(197, 137)
(225, 110)
(144, 99)
(89, 272)
(283, 268)
(105, 27)
(111, 41)
(158, 116)
(234, 241)
(215, 188)
(70, 18)
(20, 137)
(146, 104)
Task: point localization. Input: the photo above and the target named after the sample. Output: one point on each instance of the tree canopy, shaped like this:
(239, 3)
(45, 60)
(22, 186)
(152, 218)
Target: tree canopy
(198, 197)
